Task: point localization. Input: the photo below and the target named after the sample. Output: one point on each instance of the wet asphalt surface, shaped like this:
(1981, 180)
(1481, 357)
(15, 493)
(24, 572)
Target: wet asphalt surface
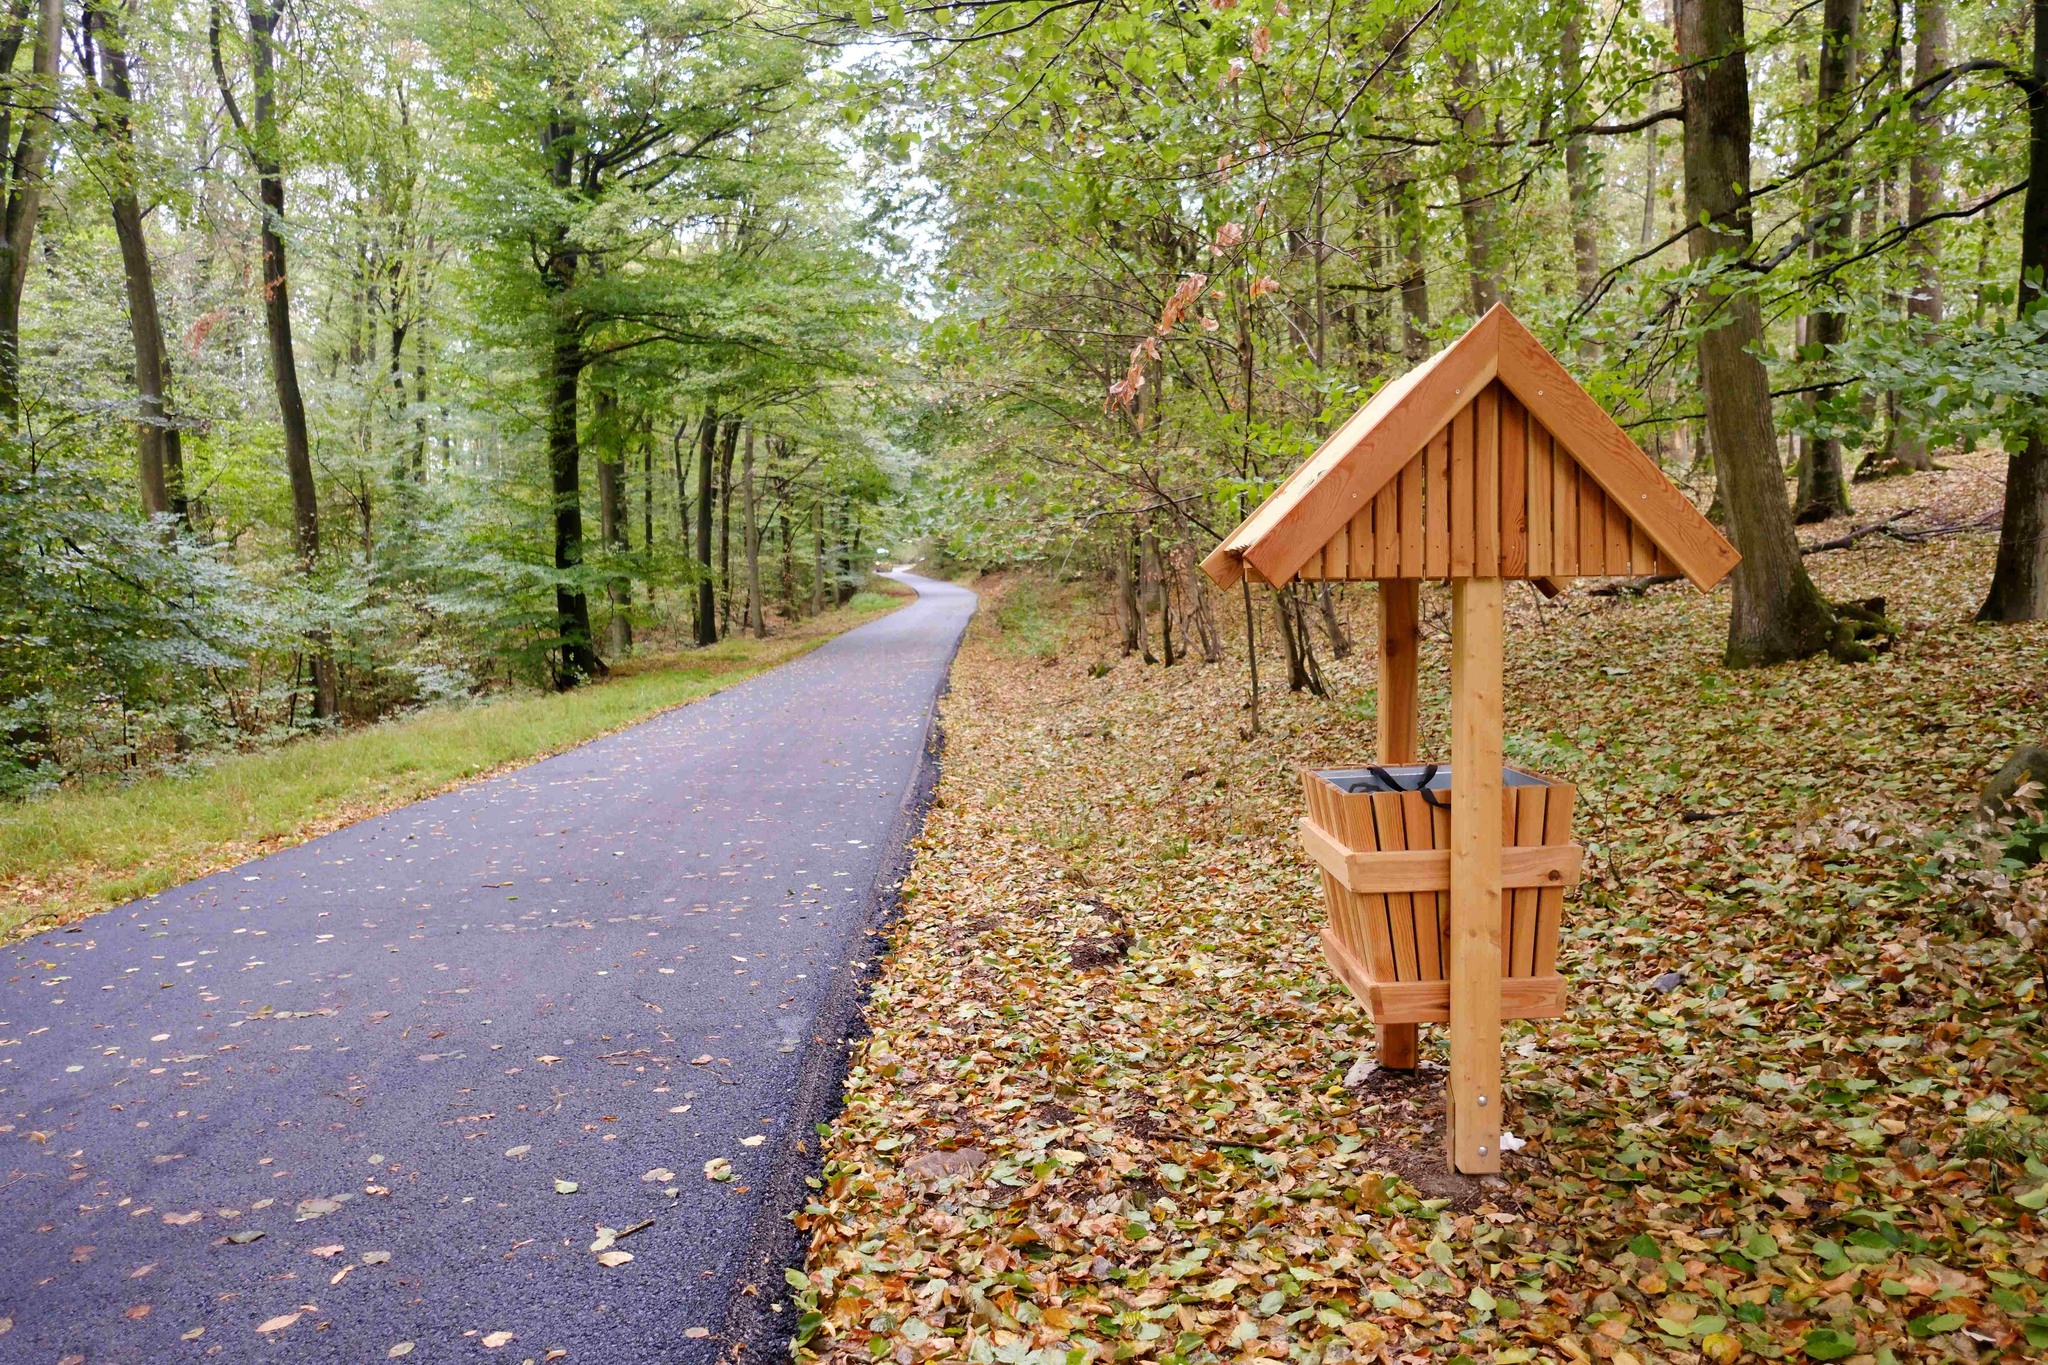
(383, 1049)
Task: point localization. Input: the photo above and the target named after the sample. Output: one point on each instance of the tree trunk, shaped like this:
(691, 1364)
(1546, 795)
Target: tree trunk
(1130, 617)
(818, 555)
(261, 139)
(159, 463)
(707, 599)
(728, 443)
(1475, 207)
(1409, 227)
(612, 519)
(1823, 485)
(565, 469)
(1778, 613)
(1580, 186)
(28, 157)
(2019, 581)
(752, 532)
(1923, 197)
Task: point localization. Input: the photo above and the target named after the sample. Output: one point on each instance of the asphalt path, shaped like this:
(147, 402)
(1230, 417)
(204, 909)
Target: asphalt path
(429, 1056)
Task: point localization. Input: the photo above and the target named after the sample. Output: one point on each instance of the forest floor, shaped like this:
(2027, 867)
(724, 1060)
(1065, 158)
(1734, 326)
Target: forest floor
(80, 850)
(1103, 1112)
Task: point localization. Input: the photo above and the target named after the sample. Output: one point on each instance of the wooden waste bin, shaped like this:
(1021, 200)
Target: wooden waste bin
(1381, 835)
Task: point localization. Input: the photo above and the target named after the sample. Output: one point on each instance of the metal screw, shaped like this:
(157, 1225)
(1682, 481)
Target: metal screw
(1482, 1151)
(1482, 1101)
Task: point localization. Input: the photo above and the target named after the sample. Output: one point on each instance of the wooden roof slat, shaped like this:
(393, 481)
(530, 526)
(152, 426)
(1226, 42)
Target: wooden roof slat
(1378, 446)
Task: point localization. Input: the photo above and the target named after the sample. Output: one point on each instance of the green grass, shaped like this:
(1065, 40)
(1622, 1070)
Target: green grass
(79, 850)
(1034, 618)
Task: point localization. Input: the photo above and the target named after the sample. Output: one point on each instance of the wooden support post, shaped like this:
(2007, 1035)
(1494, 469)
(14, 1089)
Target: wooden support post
(1474, 1106)
(1399, 737)
(1400, 641)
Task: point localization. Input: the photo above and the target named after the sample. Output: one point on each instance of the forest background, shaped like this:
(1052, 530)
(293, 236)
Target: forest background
(357, 357)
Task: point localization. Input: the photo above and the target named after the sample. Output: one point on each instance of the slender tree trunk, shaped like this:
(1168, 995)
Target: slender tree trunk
(261, 143)
(612, 517)
(1778, 613)
(707, 599)
(1823, 484)
(2019, 580)
(752, 533)
(28, 157)
(818, 555)
(1409, 227)
(1923, 197)
(728, 443)
(1581, 188)
(1130, 617)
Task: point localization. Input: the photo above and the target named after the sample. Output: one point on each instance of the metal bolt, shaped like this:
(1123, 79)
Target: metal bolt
(1482, 1101)
(1482, 1151)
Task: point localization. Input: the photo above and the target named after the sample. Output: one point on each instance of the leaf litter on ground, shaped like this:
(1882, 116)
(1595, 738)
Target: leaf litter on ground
(1825, 1141)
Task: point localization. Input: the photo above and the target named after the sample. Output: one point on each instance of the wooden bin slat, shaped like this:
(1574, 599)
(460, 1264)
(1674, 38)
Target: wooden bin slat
(1541, 518)
(1429, 934)
(1564, 514)
(1398, 908)
(1360, 530)
(1557, 824)
(1386, 532)
(1411, 519)
(1337, 554)
(1519, 943)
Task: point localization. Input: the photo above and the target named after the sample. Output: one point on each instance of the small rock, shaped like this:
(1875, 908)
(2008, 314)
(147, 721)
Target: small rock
(940, 1165)
(1666, 982)
(1362, 1070)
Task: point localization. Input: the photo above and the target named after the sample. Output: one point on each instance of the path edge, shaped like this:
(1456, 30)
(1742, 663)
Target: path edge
(760, 1322)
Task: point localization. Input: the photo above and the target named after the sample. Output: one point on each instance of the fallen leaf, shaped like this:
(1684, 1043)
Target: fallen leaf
(181, 1220)
(137, 1313)
(516, 1152)
(193, 1335)
(695, 1332)
(340, 1275)
(755, 1141)
(279, 1323)
(566, 1187)
(376, 1258)
(403, 1348)
(659, 1175)
(609, 1259)
(701, 1061)
(496, 1339)
(718, 1168)
(333, 1249)
(245, 1236)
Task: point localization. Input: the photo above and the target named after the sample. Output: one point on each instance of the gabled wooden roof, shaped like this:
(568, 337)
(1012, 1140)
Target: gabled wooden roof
(1489, 460)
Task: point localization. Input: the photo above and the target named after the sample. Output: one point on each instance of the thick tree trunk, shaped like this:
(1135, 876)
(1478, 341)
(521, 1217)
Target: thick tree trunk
(565, 470)
(2019, 581)
(1130, 617)
(1823, 483)
(159, 463)
(1408, 235)
(752, 532)
(707, 594)
(1475, 207)
(1778, 613)
(28, 156)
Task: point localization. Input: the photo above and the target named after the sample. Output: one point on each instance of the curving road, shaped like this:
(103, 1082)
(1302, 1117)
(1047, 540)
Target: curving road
(380, 1051)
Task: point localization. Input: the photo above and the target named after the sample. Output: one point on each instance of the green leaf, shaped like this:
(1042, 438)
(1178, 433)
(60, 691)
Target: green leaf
(1825, 1343)
(1642, 1245)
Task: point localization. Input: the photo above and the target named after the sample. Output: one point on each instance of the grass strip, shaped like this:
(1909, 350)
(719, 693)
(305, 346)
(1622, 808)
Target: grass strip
(82, 849)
